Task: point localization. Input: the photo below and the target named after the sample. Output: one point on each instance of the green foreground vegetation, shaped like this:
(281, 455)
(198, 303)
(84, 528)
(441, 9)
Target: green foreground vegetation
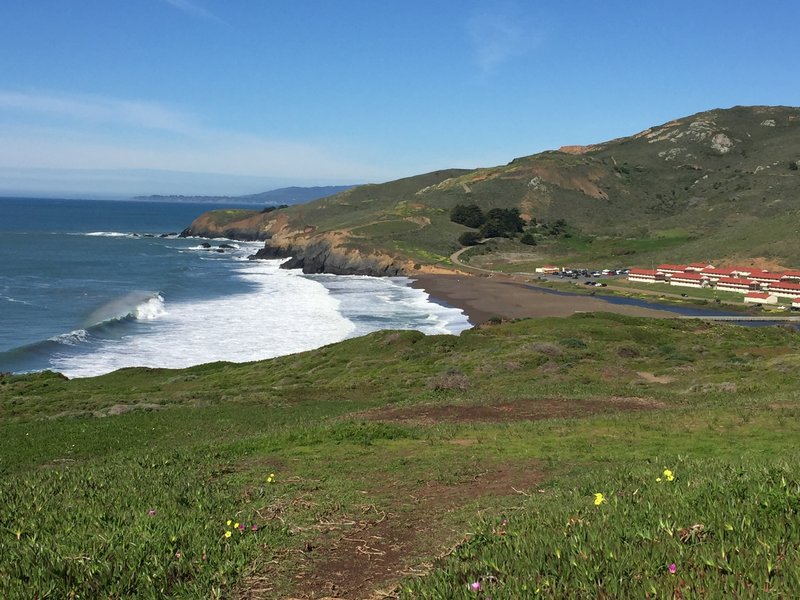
(450, 463)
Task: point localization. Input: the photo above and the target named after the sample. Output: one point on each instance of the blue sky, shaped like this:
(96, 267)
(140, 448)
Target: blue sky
(120, 97)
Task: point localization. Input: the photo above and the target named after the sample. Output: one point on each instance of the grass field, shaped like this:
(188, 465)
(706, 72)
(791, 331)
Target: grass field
(417, 466)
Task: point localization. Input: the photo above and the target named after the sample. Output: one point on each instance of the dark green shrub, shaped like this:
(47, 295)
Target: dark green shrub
(507, 218)
(470, 215)
(469, 238)
(493, 228)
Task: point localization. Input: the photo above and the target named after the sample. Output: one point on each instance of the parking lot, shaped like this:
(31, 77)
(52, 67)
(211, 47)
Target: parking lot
(588, 277)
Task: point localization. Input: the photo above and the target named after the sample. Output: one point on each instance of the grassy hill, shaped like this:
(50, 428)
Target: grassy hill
(720, 185)
(417, 466)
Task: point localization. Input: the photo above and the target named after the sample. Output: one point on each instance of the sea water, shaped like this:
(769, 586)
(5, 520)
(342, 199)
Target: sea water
(88, 287)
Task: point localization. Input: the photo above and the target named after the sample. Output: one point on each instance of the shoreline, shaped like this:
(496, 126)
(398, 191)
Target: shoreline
(482, 298)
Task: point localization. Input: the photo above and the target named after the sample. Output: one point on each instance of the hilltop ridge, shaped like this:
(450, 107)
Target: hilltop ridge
(722, 184)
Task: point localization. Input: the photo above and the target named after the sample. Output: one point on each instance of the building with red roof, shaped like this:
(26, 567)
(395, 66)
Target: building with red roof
(696, 280)
(792, 276)
(737, 284)
(744, 271)
(698, 266)
(645, 275)
(765, 278)
(760, 298)
(785, 289)
(671, 269)
(715, 274)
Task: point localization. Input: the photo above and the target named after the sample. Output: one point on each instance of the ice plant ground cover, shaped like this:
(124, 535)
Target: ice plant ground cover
(223, 479)
(721, 529)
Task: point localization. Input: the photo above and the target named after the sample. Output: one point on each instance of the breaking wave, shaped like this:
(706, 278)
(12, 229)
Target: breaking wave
(141, 306)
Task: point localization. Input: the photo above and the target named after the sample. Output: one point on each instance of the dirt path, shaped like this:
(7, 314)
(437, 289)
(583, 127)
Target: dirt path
(368, 560)
(406, 522)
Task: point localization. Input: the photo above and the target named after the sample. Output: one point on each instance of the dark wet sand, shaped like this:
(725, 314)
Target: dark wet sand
(482, 298)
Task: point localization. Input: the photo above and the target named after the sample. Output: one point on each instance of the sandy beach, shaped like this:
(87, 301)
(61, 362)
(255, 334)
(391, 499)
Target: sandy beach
(482, 298)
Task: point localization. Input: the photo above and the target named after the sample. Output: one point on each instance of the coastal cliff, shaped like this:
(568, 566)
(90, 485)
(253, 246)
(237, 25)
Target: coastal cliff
(234, 224)
(322, 256)
(303, 248)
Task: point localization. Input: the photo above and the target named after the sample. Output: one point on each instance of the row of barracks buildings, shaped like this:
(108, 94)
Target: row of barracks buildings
(758, 286)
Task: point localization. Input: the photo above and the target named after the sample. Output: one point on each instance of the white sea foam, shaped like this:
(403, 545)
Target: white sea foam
(143, 306)
(286, 313)
(150, 309)
(390, 303)
(71, 338)
(110, 234)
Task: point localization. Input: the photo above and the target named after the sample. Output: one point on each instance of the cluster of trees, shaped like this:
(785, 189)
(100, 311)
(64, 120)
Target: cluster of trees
(496, 222)
(501, 222)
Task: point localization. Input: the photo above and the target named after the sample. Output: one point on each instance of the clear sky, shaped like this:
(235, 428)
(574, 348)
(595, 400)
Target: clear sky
(115, 97)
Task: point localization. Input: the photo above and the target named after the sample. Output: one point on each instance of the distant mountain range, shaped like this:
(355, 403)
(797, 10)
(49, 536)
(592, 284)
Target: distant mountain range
(287, 195)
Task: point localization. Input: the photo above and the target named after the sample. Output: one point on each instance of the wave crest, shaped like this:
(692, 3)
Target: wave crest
(72, 338)
(141, 306)
(110, 234)
(150, 309)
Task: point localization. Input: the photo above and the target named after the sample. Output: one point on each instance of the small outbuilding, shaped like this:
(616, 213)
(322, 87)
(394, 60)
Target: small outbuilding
(760, 298)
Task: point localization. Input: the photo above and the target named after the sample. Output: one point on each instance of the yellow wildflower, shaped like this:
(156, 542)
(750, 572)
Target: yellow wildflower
(599, 499)
(228, 534)
(236, 526)
(228, 522)
(668, 475)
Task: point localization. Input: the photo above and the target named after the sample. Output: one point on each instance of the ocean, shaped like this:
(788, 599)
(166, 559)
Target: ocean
(90, 286)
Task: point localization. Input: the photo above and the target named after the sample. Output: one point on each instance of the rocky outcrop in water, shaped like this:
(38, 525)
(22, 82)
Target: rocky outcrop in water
(320, 256)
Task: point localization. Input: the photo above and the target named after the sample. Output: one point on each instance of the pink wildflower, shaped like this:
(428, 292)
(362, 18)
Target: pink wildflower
(673, 569)
(241, 527)
(151, 512)
(254, 528)
(475, 586)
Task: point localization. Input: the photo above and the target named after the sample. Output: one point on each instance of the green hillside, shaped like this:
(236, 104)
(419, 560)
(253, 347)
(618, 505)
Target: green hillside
(412, 466)
(720, 185)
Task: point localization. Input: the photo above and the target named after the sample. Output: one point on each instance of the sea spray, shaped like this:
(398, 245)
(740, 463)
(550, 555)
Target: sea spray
(144, 306)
